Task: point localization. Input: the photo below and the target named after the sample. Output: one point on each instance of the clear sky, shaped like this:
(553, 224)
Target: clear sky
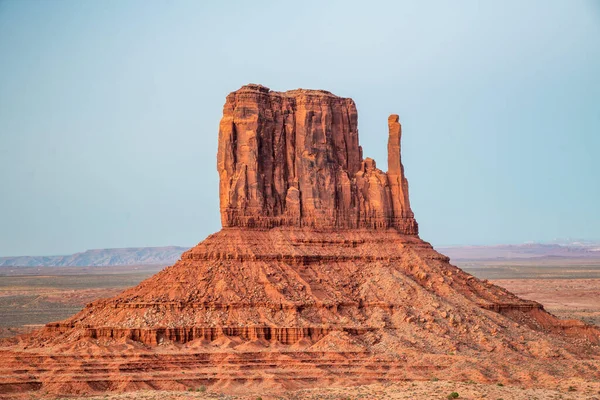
(109, 111)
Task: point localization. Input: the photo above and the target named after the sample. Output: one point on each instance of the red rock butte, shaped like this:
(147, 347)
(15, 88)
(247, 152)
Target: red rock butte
(318, 277)
(293, 159)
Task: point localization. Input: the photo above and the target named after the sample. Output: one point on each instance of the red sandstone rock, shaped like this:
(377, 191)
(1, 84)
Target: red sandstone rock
(293, 159)
(319, 277)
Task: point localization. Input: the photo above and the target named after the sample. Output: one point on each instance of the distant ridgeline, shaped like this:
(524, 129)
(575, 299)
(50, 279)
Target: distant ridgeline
(102, 257)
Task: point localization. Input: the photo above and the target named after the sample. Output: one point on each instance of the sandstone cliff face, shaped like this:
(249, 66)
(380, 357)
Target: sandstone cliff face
(293, 159)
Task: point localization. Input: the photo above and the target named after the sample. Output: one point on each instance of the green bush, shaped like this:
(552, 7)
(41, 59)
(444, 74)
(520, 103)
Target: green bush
(453, 395)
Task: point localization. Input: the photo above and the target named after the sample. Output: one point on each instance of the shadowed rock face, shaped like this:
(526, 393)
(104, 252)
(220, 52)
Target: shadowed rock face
(293, 159)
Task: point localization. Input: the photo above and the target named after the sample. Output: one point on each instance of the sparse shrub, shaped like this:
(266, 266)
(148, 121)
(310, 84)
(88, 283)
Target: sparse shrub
(259, 398)
(453, 395)
(572, 389)
(500, 384)
(202, 389)
(434, 379)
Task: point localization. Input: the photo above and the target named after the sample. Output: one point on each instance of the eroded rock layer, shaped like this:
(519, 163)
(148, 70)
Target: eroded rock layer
(293, 159)
(319, 278)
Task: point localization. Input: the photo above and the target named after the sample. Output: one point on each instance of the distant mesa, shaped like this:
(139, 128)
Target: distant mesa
(101, 257)
(531, 251)
(318, 277)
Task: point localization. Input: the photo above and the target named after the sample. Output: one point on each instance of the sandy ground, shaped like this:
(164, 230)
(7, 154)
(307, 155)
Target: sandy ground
(565, 298)
(30, 297)
(404, 390)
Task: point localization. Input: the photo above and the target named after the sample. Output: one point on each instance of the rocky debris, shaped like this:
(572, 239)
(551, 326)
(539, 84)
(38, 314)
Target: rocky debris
(318, 277)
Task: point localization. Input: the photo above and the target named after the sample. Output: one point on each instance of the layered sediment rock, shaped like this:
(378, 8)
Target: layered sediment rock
(318, 277)
(293, 159)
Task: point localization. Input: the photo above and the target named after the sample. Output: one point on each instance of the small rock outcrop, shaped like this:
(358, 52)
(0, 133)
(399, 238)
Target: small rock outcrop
(293, 159)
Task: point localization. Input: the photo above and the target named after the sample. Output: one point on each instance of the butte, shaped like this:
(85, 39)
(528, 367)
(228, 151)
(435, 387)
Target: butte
(318, 277)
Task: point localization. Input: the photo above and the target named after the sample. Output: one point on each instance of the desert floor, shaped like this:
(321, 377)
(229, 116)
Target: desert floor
(33, 296)
(404, 390)
(568, 288)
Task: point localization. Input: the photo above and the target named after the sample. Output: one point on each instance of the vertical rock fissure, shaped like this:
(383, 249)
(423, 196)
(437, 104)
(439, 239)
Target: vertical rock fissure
(286, 172)
(234, 143)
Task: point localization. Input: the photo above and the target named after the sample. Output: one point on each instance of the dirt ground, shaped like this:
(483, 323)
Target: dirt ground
(565, 298)
(33, 296)
(404, 390)
(568, 288)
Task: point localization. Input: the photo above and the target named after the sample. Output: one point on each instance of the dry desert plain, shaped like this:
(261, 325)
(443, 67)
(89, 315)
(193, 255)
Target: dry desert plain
(568, 288)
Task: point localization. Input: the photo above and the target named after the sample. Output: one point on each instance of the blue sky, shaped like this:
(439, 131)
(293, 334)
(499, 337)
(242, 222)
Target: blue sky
(109, 111)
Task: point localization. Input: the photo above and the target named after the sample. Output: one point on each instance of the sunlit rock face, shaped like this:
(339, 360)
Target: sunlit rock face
(293, 159)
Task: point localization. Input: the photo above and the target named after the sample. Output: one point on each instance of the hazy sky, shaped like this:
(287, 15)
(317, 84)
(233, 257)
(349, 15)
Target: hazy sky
(109, 111)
